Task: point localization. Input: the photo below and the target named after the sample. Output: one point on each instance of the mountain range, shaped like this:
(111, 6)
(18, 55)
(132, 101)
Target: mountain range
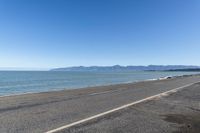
(127, 68)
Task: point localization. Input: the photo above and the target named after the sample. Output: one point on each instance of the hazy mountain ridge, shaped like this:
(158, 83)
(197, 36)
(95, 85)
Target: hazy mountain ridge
(126, 68)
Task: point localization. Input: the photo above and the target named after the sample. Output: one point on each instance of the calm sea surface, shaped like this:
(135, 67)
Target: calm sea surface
(19, 82)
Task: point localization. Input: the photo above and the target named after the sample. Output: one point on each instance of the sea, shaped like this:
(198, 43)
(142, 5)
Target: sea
(21, 82)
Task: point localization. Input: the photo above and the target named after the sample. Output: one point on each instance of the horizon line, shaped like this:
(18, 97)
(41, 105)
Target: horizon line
(49, 68)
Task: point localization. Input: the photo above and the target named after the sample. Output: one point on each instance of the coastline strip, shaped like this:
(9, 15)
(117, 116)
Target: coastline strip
(119, 108)
(132, 82)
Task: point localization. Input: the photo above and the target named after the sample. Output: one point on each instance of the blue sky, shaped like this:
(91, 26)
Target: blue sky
(58, 33)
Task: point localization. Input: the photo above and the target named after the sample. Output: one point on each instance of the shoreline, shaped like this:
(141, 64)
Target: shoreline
(89, 87)
(50, 110)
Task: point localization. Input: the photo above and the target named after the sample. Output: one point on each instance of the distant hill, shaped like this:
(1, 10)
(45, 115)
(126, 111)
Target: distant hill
(188, 70)
(127, 68)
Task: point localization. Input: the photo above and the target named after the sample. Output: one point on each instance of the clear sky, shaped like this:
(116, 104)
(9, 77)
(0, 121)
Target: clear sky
(59, 33)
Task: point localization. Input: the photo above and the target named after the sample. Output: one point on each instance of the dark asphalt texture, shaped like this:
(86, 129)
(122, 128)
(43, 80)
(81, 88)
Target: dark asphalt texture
(177, 113)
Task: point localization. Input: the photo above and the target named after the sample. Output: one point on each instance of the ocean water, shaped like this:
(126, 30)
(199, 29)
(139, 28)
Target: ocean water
(19, 82)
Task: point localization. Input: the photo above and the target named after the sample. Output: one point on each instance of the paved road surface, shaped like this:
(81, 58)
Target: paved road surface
(35, 113)
(176, 113)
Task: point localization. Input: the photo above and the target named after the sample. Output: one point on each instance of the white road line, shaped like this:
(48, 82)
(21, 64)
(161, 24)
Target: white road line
(119, 108)
(104, 92)
(92, 94)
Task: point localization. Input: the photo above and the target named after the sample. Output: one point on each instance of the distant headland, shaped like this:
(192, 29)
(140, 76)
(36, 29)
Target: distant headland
(131, 68)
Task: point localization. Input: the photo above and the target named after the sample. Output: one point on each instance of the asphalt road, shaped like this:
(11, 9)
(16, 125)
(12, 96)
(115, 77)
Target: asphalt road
(35, 113)
(177, 113)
